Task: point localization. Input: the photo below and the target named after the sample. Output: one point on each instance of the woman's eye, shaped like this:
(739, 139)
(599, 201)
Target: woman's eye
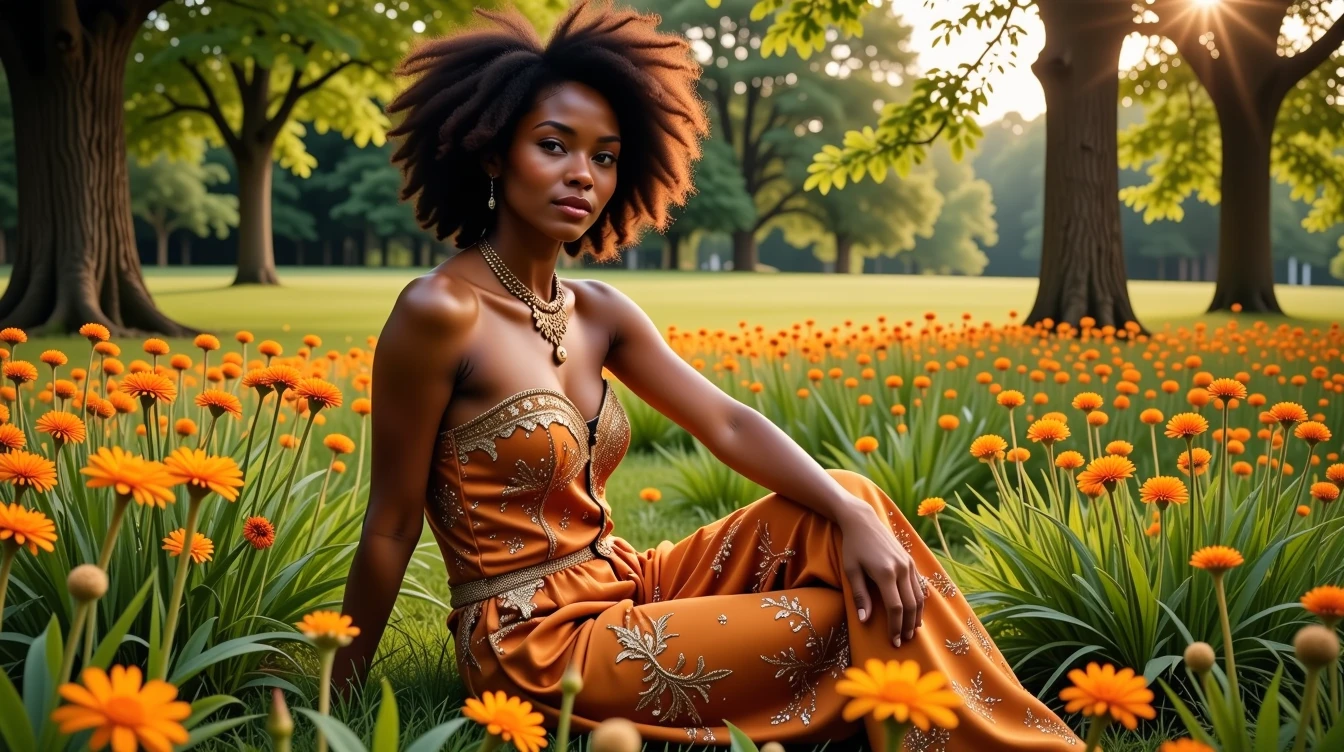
(545, 144)
(611, 156)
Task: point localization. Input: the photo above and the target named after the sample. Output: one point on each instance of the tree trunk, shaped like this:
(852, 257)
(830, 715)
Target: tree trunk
(384, 244)
(75, 260)
(326, 251)
(256, 244)
(744, 251)
(348, 251)
(185, 249)
(1082, 257)
(1196, 269)
(424, 252)
(1245, 251)
(844, 246)
(161, 245)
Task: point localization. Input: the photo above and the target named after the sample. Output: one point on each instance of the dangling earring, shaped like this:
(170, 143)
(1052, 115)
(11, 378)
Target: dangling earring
(491, 202)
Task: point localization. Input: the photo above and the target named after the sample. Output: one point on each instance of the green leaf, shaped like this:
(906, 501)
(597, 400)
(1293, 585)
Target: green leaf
(207, 705)
(211, 730)
(1267, 725)
(339, 736)
(193, 646)
(16, 731)
(230, 649)
(434, 739)
(1192, 724)
(39, 679)
(156, 639)
(107, 648)
(740, 741)
(385, 728)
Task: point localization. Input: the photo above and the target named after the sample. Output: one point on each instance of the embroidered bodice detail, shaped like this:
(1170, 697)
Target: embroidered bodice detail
(524, 482)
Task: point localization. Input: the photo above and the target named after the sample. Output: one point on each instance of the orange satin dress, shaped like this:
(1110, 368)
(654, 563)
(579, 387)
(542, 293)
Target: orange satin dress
(748, 619)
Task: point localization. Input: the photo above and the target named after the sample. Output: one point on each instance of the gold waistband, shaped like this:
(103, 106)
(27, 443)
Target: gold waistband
(488, 587)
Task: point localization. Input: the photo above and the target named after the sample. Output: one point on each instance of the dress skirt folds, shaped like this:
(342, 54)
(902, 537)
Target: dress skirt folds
(749, 619)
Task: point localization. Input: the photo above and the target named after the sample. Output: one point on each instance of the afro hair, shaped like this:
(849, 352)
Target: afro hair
(478, 83)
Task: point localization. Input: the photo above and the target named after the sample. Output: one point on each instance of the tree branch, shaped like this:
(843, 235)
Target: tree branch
(778, 208)
(1299, 66)
(176, 108)
(212, 107)
(296, 91)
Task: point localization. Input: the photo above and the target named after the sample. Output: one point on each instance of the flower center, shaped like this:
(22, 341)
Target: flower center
(125, 711)
(897, 692)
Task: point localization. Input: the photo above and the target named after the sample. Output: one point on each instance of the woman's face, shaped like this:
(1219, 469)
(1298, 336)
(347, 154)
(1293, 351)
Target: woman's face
(560, 171)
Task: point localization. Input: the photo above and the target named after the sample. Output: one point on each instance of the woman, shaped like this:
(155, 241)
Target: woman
(485, 376)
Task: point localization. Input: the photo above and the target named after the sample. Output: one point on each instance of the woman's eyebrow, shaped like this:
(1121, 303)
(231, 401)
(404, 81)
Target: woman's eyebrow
(571, 131)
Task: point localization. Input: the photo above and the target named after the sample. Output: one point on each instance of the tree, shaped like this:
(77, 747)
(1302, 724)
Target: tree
(9, 194)
(289, 219)
(373, 184)
(75, 259)
(765, 106)
(720, 203)
(248, 78)
(1230, 102)
(171, 196)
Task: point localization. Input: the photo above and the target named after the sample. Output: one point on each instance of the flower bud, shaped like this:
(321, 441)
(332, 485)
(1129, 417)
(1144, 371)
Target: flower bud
(572, 681)
(1199, 657)
(1316, 646)
(615, 735)
(86, 582)
(772, 747)
(279, 723)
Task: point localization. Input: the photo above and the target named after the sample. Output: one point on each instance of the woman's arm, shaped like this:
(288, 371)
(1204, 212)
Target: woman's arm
(417, 355)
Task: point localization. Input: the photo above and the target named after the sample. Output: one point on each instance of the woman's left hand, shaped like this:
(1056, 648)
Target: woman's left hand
(869, 547)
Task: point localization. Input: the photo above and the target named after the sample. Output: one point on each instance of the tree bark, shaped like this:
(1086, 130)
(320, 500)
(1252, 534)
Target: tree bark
(161, 244)
(672, 251)
(256, 243)
(424, 252)
(184, 248)
(844, 245)
(1245, 252)
(1082, 257)
(744, 251)
(75, 258)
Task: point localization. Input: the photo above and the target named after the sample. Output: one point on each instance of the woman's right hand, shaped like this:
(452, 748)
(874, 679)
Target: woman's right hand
(869, 548)
(417, 357)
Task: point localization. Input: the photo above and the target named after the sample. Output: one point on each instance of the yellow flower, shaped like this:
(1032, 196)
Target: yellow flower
(509, 718)
(1102, 691)
(203, 473)
(202, 548)
(27, 528)
(895, 689)
(129, 475)
(27, 469)
(328, 628)
(123, 712)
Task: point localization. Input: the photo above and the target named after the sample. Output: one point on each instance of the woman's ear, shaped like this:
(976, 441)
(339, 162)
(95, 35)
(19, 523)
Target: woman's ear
(492, 165)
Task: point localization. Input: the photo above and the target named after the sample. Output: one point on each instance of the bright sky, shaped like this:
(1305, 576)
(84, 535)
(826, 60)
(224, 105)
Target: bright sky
(1016, 88)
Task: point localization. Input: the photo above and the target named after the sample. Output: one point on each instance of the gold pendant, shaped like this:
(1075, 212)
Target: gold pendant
(560, 354)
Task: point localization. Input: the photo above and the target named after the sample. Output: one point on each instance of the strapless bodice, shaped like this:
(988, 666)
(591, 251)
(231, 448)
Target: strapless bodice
(524, 482)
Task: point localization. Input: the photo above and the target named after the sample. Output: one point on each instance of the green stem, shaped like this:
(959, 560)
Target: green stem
(1307, 711)
(327, 659)
(321, 497)
(562, 727)
(265, 455)
(1194, 492)
(7, 552)
(72, 642)
(1093, 740)
(179, 583)
(1222, 486)
(896, 732)
(110, 540)
(1231, 665)
(490, 743)
(1157, 464)
(941, 539)
(1120, 538)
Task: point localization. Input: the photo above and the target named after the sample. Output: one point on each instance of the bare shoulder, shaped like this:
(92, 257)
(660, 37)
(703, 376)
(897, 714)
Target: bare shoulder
(598, 297)
(433, 316)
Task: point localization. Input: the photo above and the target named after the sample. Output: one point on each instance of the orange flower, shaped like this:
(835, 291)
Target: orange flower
(1186, 426)
(219, 402)
(206, 342)
(20, 371)
(1107, 471)
(1326, 601)
(1120, 447)
(156, 346)
(202, 548)
(930, 506)
(1201, 459)
(185, 427)
(64, 427)
(53, 358)
(1303, 510)
(339, 443)
(319, 393)
(1287, 413)
(203, 473)
(1103, 691)
(95, 332)
(986, 448)
(1216, 559)
(259, 533)
(1163, 490)
(1020, 454)
(1324, 492)
(1069, 460)
(145, 481)
(120, 710)
(328, 628)
(948, 422)
(1047, 431)
(1152, 416)
(1088, 401)
(270, 347)
(1011, 398)
(1097, 418)
(27, 528)
(1185, 745)
(1226, 389)
(362, 406)
(866, 444)
(27, 469)
(149, 387)
(1312, 432)
(1242, 469)
(1335, 473)
(510, 718)
(281, 378)
(650, 494)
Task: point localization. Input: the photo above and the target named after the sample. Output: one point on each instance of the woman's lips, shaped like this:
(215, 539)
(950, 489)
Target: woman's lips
(573, 212)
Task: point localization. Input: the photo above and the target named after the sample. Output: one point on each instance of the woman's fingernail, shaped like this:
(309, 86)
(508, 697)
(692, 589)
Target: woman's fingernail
(897, 640)
(863, 614)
